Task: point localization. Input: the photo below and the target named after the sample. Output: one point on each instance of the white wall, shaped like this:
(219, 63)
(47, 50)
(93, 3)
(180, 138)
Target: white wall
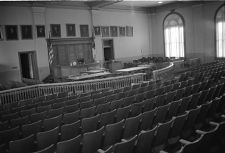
(125, 48)
(199, 30)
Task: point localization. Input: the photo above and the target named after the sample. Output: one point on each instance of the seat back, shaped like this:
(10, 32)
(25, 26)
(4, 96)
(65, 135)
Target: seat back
(49, 149)
(136, 109)
(87, 112)
(148, 104)
(162, 133)
(92, 141)
(53, 122)
(122, 113)
(9, 134)
(69, 131)
(90, 124)
(33, 128)
(69, 146)
(71, 117)
(131, 126)
(184, 104)
(107, 118)
(46, 138)
(38, 116)
(126, 146)
(113, 133)
(144, 141)
(174, 106)
(86, 104)
(55, 112)
(147, 119)
(102, 108)
(71, 108)
(178, 124)
(116, 104)
(161, 113)
(25, 145)
(19, 121)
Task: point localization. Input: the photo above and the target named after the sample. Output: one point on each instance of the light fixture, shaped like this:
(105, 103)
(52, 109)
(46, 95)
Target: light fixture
(160, 2)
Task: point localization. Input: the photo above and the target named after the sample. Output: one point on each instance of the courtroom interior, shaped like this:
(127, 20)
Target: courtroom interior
(112, 76)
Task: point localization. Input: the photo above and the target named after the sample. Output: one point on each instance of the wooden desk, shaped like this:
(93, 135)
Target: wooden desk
(88, 76)
(132, 69)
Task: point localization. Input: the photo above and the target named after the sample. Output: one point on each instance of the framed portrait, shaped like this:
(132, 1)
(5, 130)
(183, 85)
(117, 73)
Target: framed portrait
(122, 31)
(11, 32)
(114, 31)
(55, 30)
(105, 31)
(40, 31)
(129, 31)
(84, 32)
(70, 29)
(26, 31)
(97, 30)
(1, 32)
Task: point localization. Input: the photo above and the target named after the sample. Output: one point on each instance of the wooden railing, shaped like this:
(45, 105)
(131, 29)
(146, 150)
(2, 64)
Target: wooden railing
(158, 73)
(28, 92)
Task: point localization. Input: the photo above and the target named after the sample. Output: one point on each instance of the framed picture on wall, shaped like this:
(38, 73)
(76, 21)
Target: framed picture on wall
(114, 31)
(40, 31)
(97, 30)
(84, 32)
(70, 29)
(55, 30)
(105, 31)
(129, 31)
(11, 32)
(26, 31)
(122, 31)
(1, 32)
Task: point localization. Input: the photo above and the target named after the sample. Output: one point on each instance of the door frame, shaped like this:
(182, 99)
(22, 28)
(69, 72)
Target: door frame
(103, 57)
(34, 64)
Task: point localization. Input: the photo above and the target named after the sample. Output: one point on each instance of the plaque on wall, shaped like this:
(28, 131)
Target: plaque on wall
(122, 31)
(84, 32)
(26, 31)
(40, 31)
(11, 32)
(97, 30)
(114, 31)
(129, 31)
(105, 31)
(70, 29)
(55, 30)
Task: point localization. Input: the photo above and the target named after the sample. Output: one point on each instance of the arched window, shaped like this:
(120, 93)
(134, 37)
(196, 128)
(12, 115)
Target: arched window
(174, 35)
(220, 32)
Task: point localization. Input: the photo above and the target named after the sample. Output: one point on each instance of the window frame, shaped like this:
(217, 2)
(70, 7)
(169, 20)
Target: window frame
(184, 33)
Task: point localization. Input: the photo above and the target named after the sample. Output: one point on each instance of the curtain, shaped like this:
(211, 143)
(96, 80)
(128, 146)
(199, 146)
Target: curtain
(220, 32)
(174, 41)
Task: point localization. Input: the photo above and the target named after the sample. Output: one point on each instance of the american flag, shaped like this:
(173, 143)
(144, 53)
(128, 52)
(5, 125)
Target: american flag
(93, 38)
(50, 51)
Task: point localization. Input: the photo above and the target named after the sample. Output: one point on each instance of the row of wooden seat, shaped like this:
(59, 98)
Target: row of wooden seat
(158, 101)
(113, 133)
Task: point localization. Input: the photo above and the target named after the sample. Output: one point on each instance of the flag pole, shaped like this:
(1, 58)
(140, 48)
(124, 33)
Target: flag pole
(50, 49)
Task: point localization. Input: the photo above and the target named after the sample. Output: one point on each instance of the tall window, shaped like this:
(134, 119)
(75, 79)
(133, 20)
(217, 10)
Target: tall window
(220, 32)
(174, 36)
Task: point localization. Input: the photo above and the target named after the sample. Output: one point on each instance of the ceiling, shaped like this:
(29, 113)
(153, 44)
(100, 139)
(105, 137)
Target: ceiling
(96, 4)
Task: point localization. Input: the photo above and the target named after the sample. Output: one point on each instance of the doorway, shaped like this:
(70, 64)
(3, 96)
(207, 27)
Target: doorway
(108, 49)
(28, 65)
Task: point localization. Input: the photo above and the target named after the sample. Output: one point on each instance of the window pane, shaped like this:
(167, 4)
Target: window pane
(174, 37)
